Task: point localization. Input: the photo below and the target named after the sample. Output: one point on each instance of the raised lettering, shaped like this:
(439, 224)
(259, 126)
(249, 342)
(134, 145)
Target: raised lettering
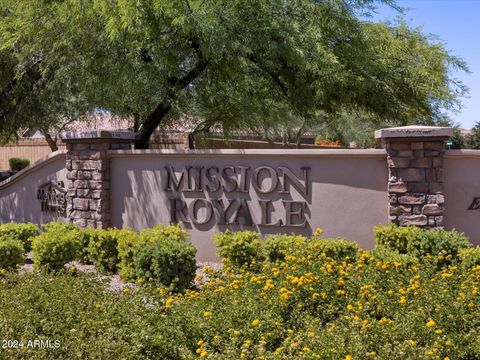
(229, 179)
(193, 211)
(290, 213)
(287, 174)
(266, 217)
(257, 182)
(211, 174)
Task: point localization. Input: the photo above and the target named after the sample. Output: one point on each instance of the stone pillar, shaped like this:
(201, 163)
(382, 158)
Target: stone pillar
(88, 174)
(415, 174)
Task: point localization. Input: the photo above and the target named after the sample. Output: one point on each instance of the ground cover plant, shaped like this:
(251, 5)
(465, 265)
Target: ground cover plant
(319, 299)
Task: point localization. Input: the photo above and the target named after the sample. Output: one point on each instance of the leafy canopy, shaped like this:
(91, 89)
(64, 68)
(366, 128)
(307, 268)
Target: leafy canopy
(239, 63)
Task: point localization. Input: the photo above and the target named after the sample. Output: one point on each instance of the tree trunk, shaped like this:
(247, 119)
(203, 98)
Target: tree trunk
(150, 124)
(52, 143)
(176, 85)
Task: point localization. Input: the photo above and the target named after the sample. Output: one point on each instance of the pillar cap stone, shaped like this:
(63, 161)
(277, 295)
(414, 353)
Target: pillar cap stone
(415, 131)
(121, 136)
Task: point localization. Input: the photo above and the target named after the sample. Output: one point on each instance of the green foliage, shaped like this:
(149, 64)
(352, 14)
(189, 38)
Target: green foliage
(169, 262)
(441, 244)
(474, 138)
(385, 254)
(23, 232)
(380, 304)
(277, 247)
(17, 164)
(11, 253)
(102, 249)
(127, 239)
(396, 237)
(161, 232)
(241, 248)
(469, 257)
(337, 249)
(82, 320)
(253, 64)
(57, 245)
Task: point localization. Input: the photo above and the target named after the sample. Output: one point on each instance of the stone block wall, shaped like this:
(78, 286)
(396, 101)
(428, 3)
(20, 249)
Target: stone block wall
(415, 185)
(88, 175)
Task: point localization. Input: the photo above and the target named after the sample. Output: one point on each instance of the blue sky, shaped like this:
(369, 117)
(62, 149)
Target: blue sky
(457, 24)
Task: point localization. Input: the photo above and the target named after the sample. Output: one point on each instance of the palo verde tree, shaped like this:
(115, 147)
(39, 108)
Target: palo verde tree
(237, 62)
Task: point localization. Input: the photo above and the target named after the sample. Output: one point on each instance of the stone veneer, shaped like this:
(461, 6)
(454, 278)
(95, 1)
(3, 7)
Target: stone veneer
(415, 164)
(88, 174)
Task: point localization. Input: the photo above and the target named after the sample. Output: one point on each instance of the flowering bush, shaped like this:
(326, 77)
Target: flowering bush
(22, 232)
(241, 248)
(419, 242)
(277, 247)
(11, 253)
(378, 304)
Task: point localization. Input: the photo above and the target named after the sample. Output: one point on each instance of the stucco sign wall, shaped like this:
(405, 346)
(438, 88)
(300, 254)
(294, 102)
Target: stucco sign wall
(269, 191)
(36, 194)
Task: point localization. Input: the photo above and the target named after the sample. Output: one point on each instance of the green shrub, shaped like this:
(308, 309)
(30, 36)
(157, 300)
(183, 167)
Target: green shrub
(22, 232)
(333, 248)
(11, 253)
(440, 243)
(277, 247)
(172, 232)
(84, 236)
(17, 164)
(56, 246)
(469, 257)
(396, 237)
(417, 242)
(127, 240)
(169, 262)
(240, 248)
(102, 249)
(384, 254)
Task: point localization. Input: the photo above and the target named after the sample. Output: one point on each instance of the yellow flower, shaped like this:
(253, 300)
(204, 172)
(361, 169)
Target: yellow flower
(403, 300)
(236, 333)
(318, 232)
(98, 306)
(430, 324)
(207, 314)
(169, 302)
(203, 353)
(216, 338)
(199, 342)
(256, 322)
(412, 343)
(126, 290)
(348, 357)
(438, 331)
(305, 349)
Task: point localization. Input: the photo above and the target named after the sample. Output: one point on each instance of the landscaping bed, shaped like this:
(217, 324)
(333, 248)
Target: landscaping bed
(415, 296)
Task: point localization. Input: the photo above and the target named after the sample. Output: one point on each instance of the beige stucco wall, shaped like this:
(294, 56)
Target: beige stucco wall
(347, 191)
(462, 185)
(18, 201)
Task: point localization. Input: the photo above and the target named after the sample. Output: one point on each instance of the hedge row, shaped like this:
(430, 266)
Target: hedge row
(160, 254)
